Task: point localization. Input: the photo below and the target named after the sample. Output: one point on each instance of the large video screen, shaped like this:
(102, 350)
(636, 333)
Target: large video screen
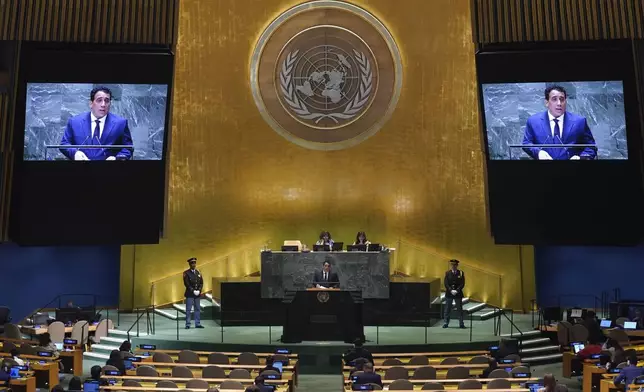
(582, 120)
(62, 119)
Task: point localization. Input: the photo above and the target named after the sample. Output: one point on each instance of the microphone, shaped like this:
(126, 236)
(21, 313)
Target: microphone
(81, 144)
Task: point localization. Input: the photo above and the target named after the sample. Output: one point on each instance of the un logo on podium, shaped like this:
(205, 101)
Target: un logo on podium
(326, 75)
(323, 297)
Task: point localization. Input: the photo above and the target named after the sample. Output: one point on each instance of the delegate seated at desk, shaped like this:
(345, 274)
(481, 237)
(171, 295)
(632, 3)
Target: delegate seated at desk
(325, 239)
(361, 239)
(326, 278)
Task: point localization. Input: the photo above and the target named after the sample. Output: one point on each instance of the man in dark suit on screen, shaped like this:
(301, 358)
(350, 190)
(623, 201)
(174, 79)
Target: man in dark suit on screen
(557, 126)
(98, 127)
(326, 278)
(454, 283)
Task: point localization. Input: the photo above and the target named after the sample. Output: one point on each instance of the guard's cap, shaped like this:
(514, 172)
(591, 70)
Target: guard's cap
(192, 260)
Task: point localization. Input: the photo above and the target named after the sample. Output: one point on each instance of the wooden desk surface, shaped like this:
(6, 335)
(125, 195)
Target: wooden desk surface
(28, 384)
(439, 367)
(184, 379)
(607, 385)
(41, 330)
(459, 380)
(206, 353)
(204, 365)
(417, 387)
(432, 354)
(589, 370)
(20, 341)
(122, 388)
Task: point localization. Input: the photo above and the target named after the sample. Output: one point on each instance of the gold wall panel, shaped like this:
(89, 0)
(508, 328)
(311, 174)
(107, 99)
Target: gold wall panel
(554, 20)
(234, 182)
(100, 21)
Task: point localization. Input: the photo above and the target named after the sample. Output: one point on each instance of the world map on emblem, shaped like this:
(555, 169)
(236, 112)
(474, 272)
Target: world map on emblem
(326, 75)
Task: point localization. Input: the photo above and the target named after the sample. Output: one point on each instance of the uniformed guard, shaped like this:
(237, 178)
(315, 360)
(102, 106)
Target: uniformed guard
(454, 283)
(193, 281)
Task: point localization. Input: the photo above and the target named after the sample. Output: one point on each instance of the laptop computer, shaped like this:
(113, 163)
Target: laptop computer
(577, 347)
(321, 248)
(374, 247)
(605, 323)
(14, 372)
(356, 248)
(630, 325)
(337, 246)
(91, 386)
(534, 387)
(59, 346)
(278, 365)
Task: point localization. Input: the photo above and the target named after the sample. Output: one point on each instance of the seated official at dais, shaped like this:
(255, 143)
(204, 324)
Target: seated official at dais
(325, 239)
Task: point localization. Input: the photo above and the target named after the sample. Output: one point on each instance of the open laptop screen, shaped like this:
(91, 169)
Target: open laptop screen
(630, 325)
(577, 347)
(605, 323)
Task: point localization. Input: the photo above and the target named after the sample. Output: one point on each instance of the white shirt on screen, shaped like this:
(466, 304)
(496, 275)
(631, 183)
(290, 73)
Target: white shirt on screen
(101, 123)
(552, 124)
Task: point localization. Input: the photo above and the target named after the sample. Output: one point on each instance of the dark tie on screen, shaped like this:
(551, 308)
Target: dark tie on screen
(97, 133)
(557, 135)
(325, 278)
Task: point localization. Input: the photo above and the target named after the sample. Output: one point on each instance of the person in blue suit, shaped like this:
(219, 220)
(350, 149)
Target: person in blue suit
(557, 126)
(98, 127)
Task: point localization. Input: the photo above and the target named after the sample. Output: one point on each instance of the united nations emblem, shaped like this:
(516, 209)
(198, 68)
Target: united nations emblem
(323, 296)
(326, 75)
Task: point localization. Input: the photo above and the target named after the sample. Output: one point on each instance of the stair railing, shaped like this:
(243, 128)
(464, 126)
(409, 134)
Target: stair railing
(499, 314)
(149, 325)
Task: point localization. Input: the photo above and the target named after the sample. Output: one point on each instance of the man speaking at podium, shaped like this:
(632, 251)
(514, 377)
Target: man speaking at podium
(557, 126)
(326, 279)
(98, 127)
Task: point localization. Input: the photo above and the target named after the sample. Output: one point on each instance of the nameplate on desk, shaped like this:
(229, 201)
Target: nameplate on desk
(273, 376)
(22, 368)
(45, 354)
(282, 351)
(494, 348)
(324, 319)
(71, 342)
(507, 361)
(132, 359)
(595, 356)
(148, 347)
(112, 372)
(522, 375)
(615, 370)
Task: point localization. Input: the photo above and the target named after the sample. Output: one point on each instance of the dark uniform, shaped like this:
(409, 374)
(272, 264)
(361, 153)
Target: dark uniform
(454, 280)
(193, 281)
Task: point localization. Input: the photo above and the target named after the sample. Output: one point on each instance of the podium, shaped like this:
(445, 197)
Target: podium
(323, 315)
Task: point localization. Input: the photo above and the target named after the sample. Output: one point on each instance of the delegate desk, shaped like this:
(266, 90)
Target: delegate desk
(607, 383)
(367, 272)
(323, 314)
(452, 384)
(23, 384)
(39, 330)
(283, 384)
(165, 369)
(203, 355)
(474, 369)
